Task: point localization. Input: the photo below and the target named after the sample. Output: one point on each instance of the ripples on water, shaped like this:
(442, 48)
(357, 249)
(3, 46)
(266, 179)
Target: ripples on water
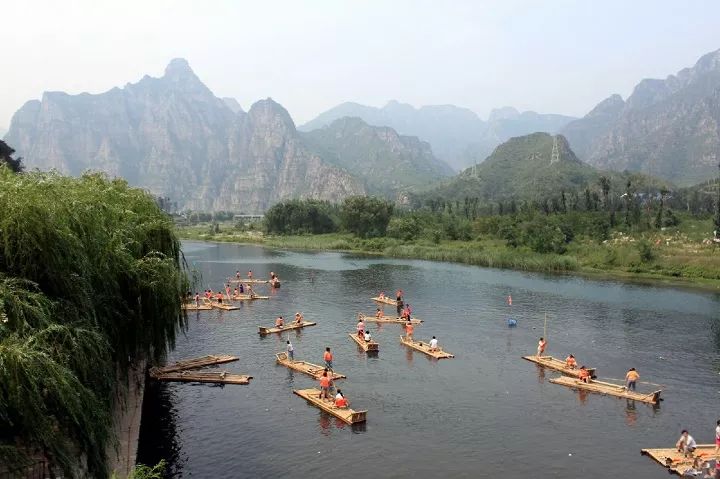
(486, 413)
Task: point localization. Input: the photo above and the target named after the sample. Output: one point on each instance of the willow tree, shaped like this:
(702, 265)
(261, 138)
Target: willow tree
(90, 281)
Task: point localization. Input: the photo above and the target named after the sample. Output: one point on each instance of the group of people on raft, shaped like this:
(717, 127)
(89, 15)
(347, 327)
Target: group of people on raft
(280, 321)
(584, 375)
(274, 279)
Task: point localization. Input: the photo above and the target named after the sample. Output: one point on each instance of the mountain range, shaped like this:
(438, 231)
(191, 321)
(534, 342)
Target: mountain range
(668, 128)
(530, 167)
(387, 162)
(457, 135)
(174, 137)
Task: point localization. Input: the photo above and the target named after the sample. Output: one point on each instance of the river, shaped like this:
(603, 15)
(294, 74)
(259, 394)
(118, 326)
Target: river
(486, 413)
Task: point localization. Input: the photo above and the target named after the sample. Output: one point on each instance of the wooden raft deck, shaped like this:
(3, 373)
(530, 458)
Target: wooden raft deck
(194, 307)
(675, 461)
(196, 363)
(607, 388)
(347, 415)
(224, 306)
(218, 377)
(425, 348)
(250, 281)
(385, 300)
(388, 319)
(246, 297)
(312, 370)
(287, 327)
(558, 365)
(368, 347)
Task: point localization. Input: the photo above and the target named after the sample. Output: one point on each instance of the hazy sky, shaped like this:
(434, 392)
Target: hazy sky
(550, 56)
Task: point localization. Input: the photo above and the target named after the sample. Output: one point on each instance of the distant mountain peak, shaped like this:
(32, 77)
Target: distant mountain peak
(178, 67)
(233, 104)
(268, 111)
(504, 113)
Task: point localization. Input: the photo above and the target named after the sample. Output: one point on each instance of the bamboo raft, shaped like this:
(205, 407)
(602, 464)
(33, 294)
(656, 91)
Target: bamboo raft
(217, 377)
(558, 365)
(224, 306)
(608, 388)
(250, 281)
(675, 461)
(388, 319)
(194, 363)
(247, 297)
(367, 346)
(195, 307)
(312, 370)
(285, 328)
(425, 348)
(347, 415)
(385, 300)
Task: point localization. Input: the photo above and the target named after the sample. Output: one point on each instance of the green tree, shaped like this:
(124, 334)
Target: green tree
(604, 183)
(91, 281)
(367, 217)
(716, 220)
(6, 157)
(301, 217)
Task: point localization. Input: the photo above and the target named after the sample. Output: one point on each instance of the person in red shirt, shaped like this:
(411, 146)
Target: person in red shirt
(340, 401)
(324, 386)
(328, 357)
(584, 374)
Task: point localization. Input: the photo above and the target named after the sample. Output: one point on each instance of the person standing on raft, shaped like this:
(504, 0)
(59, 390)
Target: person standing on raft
(361, 328)
(197, 300)
(409, 331)
(324, 386)
(631, 379)
(328, 358)
(541, 347)
(290, 351)
(433, 344)
(399, 300)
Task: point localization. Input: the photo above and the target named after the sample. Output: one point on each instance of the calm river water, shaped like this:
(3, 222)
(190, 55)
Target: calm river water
(486, 413)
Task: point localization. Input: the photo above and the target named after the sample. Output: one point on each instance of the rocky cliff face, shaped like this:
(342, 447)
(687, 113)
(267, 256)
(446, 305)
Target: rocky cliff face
(172, 136)
(668, 128)
(388, 162)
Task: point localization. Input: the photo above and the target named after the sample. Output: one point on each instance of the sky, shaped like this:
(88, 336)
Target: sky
(557, 56)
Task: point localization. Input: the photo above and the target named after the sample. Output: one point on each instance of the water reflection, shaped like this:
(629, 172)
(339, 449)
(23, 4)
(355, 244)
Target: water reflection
(630, 412)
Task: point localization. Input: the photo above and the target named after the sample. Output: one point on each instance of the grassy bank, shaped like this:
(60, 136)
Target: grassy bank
(675, 257)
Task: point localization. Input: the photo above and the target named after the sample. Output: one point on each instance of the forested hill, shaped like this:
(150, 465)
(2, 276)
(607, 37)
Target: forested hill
(387, 162)
(530, 167)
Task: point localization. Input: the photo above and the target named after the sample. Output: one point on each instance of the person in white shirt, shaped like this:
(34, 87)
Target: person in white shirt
(367, 337)
(686, 444)
(290, 351)
(433, 344)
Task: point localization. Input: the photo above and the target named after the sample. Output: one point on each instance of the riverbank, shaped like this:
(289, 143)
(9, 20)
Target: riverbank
(670, 258)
